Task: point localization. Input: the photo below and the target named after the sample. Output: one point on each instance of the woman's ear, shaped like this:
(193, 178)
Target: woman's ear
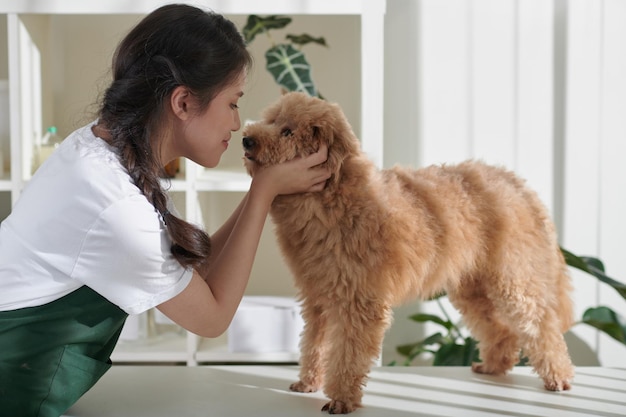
(181, 102)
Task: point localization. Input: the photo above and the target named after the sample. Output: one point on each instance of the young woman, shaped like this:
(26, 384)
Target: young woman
(92, 237)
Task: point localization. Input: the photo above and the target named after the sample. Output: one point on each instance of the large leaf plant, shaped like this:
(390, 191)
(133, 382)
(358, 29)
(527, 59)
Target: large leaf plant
(285, 61)
(453, 346)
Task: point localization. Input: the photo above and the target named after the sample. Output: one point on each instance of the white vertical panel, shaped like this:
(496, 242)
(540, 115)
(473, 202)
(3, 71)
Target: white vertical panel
(29, 80)
(582, 130)
(612, 186)
(583, 125)
(534, 151)
(493, 73)
(372, 79)
(15, 102)
(402, 118)
(445, 80)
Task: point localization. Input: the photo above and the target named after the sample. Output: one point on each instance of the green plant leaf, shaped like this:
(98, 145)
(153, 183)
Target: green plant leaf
(290, 69)
(593, 263)
(608, 321)
(454, 354)
(428, 345)
(471, 350)
(306, 38)
(258, 24)
(423, 318)
(406, 350)
(574, 261)
(410, 349)
(595, 267)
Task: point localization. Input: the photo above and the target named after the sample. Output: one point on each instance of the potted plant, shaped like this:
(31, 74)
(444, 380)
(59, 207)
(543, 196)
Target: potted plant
(454, 346)
(285, 61)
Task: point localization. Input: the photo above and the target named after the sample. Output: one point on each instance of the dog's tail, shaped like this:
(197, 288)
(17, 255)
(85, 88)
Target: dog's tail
(565, 305)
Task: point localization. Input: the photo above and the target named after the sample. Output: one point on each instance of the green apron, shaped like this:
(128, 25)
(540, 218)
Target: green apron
(50, 355)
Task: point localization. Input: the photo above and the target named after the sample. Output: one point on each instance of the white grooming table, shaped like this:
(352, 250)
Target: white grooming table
(258, 391)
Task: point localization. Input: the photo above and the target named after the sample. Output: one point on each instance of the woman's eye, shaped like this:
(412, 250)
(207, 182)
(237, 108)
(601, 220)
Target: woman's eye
(286, 132)
(234, 106)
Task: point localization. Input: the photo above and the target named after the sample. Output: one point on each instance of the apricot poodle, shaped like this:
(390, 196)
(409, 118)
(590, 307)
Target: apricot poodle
(373, 239)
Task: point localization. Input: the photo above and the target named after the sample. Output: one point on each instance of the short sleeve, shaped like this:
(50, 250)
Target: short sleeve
(126, 257)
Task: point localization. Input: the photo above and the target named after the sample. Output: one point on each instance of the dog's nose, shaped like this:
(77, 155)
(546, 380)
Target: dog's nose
(248, 142)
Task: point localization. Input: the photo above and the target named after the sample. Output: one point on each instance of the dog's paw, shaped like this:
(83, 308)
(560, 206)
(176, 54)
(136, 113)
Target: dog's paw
(302, 387)
(338, 407)
(557, 385)
(481, 368)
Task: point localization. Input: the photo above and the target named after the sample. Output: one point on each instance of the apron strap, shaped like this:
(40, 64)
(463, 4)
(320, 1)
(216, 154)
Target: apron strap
(50, 355)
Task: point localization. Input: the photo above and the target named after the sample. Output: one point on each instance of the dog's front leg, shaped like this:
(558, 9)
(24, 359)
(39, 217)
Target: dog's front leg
(356, 332)
(312, 349)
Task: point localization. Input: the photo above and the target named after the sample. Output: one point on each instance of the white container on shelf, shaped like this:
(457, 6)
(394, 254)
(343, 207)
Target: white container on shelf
(266, 324)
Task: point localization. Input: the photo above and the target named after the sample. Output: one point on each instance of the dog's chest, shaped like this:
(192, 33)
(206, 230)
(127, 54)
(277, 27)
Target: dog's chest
(303, 223)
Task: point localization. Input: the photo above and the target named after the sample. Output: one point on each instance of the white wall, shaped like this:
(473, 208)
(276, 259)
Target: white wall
(535, 85)
(595, 144)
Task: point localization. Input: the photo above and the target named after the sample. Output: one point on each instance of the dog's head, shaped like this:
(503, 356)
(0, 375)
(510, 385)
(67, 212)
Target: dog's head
(295, 126)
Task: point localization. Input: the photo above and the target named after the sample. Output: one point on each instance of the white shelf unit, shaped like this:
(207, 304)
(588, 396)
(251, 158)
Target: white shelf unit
(25, 122)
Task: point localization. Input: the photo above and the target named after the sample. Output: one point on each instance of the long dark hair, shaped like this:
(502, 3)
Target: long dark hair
(175, 45)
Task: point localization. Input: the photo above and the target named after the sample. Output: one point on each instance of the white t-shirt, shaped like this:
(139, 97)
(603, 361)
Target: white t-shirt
(82, 221)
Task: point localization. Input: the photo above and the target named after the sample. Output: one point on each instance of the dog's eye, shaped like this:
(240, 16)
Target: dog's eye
(286, 132)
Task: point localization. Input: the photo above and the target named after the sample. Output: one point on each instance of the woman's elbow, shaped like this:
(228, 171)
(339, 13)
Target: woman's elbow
(212, 329)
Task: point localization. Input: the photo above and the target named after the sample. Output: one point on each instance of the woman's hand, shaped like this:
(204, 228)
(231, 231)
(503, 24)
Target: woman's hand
(296, 176)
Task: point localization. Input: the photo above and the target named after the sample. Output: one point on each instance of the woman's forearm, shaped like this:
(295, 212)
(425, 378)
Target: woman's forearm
(219, 237)
(228, 273)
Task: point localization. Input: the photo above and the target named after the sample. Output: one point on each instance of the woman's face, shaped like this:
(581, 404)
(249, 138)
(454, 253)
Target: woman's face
(205, 135)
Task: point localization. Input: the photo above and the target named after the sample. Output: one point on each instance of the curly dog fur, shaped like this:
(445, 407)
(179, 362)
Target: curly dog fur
(373, 239)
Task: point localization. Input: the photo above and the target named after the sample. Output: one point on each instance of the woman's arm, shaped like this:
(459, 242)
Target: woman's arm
(219, 238)
(208, 304)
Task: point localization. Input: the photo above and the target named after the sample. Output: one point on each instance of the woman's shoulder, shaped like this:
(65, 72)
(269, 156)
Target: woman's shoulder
(91, 162)
(83, 176)
(83, 145)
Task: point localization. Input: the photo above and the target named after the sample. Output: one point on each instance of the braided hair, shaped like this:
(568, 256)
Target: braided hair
(175, 45)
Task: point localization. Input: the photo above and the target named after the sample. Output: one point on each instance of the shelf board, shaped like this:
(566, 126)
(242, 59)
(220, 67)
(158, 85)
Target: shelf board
(169, 347)
(222, 180)
(177, 184)
(211, 352)
(6, 184)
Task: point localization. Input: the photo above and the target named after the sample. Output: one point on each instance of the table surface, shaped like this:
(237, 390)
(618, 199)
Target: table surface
(223, 391)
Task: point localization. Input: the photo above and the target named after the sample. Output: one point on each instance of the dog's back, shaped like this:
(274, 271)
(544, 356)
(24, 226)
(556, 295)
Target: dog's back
(483, 218)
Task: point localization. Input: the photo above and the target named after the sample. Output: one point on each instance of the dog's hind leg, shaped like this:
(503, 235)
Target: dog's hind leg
(356, 331)
(547, 352)
(499, 349)
(518, 316)
(528, 306)
(498, 343)
(312, 349)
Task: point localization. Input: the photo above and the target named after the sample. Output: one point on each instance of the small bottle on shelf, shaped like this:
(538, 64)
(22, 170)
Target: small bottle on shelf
(44, 148)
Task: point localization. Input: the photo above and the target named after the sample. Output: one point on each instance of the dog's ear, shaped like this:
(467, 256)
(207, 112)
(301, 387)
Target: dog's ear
(334, 130)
